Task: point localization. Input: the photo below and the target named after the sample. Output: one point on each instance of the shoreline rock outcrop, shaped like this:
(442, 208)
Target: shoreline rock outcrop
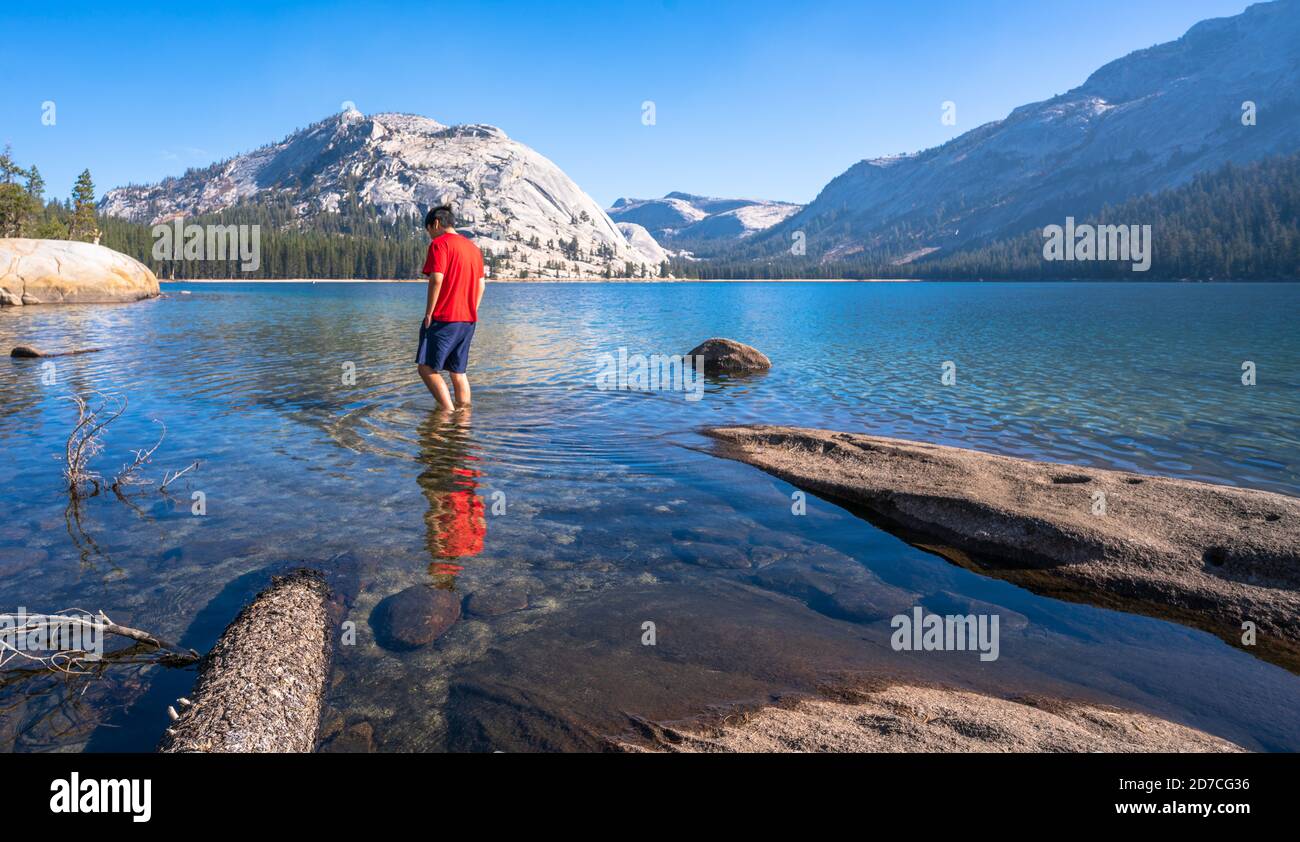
(1210, 556)
(910, 718)
(68, 272)
(261, 686)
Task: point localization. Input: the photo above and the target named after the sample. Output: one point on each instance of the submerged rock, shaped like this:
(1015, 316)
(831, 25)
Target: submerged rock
(358, 738)
(1207, 555)
(414, 617)
(862, 604)
(796, 580)
(725, 356)
(859, 600)
(493, 602)
(947, 602)
(708, 554)
(67, 272)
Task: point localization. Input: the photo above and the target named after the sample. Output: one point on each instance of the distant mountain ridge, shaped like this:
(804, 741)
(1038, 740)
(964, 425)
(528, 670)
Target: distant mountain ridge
(1147, 122)
(511, 199)
(1233, 224)
(687, 219)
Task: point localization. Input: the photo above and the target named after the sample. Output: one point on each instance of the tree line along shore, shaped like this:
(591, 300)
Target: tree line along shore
(1237, 223)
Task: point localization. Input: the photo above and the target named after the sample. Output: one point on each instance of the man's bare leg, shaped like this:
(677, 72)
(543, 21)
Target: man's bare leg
(461, 383)
(437, 387)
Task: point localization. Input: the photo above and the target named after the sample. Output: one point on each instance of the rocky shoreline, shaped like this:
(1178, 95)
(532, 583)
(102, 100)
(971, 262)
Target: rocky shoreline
(1222, 559)
(913, 718)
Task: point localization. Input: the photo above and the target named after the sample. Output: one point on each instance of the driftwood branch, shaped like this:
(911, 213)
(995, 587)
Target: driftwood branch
(138, 654)
(169, 478)
(79, 661)
(128, 475)
(84, 442)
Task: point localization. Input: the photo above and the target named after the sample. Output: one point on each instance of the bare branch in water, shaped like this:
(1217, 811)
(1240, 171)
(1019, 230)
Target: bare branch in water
(128, 474)
(58, 627)
(84, 442)
(168, 478)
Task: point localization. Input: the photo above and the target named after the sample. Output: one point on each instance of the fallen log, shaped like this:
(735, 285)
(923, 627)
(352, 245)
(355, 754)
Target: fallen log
(28, 352)
(260, 688)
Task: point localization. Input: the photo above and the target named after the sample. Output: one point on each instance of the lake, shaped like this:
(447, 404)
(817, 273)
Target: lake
(583, 514)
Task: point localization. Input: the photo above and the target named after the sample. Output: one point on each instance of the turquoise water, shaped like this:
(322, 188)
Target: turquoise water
(594, 512)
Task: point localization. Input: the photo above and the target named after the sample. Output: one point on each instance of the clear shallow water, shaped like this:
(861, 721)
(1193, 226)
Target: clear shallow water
(605, 508)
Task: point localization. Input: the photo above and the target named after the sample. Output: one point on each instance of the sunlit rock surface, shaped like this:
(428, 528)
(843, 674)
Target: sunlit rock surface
(66, 272)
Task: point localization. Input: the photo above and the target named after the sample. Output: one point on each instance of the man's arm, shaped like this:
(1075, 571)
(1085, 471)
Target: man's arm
(435, 285)
(482, 285)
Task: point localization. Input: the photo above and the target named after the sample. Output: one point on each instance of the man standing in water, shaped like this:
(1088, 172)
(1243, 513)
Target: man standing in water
(456, 284)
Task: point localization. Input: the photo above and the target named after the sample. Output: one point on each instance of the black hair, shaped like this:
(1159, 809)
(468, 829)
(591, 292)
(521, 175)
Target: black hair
(441, 214)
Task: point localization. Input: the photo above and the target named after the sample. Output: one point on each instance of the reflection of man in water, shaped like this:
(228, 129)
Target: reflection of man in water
(455, 524)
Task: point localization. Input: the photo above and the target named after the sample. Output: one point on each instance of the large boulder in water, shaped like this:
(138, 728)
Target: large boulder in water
(414, 617)
(725, 356)
(66, 272)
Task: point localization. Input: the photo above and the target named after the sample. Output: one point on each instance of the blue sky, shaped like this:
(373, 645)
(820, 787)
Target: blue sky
(753, 98)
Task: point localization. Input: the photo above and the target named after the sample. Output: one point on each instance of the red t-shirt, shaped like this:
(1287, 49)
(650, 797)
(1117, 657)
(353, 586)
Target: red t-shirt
(461, 265)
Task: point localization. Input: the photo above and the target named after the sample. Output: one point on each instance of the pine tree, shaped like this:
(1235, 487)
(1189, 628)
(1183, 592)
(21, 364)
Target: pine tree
(8, 169)
(36, 186)
(51, 225)
(18, 207)
(83, 226)
(14, 206)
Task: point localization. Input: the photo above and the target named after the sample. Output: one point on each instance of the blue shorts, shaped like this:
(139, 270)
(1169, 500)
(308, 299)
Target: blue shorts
(444, 346)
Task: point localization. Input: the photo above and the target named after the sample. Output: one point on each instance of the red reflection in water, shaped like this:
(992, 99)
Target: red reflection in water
(456, 522)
